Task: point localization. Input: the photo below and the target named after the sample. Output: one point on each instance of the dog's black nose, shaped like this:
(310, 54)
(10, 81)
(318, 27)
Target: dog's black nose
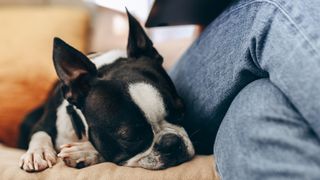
(169, 143)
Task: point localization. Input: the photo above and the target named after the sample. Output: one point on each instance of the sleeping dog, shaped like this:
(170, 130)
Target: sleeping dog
(112, 107)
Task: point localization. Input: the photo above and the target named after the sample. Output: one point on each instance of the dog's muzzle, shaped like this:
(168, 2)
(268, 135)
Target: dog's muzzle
(170, 147)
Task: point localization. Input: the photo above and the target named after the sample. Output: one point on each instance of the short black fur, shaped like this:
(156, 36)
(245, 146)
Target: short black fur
(118, 129)
(77, 123)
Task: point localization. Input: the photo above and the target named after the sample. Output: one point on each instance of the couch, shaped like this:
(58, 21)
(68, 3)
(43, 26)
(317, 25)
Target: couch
(27, 74)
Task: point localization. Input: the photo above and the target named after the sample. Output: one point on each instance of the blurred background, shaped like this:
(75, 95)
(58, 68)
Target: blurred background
(107, 24)
(27, 29)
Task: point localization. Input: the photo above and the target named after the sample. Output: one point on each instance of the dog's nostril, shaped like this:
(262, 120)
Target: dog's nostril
(80, 165)
(169, 143)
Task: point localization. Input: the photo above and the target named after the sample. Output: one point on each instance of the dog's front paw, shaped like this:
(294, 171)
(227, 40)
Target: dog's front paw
(79, 155)
(38, 159)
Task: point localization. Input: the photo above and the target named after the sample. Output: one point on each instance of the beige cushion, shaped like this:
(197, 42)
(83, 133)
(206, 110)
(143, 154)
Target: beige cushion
(200, 168)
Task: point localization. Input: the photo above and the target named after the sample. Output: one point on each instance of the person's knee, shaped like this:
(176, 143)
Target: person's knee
(255, 102)
(263, 135)
(246, 123)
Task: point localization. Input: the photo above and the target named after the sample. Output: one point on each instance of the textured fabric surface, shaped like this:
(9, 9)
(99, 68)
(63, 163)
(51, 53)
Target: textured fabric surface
(27, 72)
(268, 139)
(262, 138)
(201, 167)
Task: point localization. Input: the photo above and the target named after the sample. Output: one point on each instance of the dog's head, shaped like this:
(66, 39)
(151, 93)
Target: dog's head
(130, 105)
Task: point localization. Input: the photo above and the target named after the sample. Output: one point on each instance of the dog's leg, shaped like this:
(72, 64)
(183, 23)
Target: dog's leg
(40, 154)
(80, 154)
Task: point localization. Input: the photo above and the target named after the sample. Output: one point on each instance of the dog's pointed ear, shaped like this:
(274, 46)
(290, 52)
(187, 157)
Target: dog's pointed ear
(139, 43)
(74, 70)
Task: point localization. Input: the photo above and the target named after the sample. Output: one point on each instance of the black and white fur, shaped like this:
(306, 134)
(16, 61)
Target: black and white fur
(117, 106)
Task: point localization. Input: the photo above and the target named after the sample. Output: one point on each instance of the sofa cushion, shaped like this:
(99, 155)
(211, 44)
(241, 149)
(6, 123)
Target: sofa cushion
(201, 167)
(27, 73)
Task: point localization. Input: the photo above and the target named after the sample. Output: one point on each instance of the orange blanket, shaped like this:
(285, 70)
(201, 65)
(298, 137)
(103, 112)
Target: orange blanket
(27, 72)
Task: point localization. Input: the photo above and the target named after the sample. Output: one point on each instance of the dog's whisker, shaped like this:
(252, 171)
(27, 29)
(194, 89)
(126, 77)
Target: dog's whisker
(195, 132)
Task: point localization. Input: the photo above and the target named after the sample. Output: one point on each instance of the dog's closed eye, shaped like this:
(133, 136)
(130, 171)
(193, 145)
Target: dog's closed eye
(123, 133)
(128, 135)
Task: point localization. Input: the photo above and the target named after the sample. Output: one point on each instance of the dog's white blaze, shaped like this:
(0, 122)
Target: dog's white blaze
(107, 58)
(149, 100)
(65, 131)
(40, 139)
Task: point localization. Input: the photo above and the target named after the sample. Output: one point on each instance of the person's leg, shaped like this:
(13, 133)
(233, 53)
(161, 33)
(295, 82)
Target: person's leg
(262, 136)
(251, 39)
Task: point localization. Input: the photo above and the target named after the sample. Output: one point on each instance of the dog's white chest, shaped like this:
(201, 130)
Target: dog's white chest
(65, 131)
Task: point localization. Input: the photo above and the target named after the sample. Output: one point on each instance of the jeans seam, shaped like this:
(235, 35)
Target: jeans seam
(283, 12)
(306, 39)
(289, 18)
(291, 21)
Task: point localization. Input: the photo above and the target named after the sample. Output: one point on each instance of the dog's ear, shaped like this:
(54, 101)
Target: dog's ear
(139, 43)
(74, 70)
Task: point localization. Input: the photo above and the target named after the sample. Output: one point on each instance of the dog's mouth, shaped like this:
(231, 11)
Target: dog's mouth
(170, 147)
(156, 161)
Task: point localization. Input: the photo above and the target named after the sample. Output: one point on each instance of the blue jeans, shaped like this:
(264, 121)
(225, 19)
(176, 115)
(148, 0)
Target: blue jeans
(251, 84)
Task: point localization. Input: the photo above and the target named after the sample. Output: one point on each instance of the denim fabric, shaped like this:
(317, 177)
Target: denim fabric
(272, 128)
(262, 136)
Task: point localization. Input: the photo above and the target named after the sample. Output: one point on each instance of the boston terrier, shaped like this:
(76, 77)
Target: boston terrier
(112, 107)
